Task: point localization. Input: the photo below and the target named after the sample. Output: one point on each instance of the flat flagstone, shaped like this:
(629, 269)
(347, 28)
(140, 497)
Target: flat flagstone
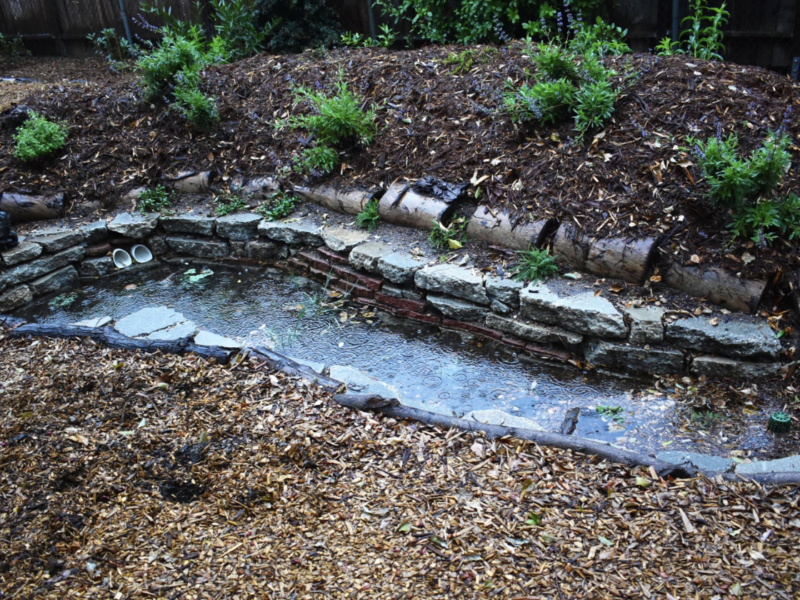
(494, 416)
(148, 320)
(206, 338)
(361, 382)
(176, 332)
(95, 322)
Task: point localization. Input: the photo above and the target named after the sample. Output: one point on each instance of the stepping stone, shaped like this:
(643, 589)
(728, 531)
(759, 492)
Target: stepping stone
(702, 462)
(181, 330)
(313, 365)
(96, 322)
(206, 338)
(148, 320)
(789, 464)
(494, 416)
(361, 382)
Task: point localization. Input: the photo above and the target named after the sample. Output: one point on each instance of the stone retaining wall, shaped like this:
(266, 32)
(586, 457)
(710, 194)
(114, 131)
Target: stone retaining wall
(529, 318)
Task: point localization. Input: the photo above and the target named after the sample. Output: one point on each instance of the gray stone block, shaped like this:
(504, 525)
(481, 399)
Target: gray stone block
(190, 222)
(399, 267)
(95, 232)
(361, 382)
(503, 290)
(719, 366)
(634, 358)
(390, 290)
(500, 308)
(25, 252)
(66, 277)
(460, 310)
(176, 332)
(790, 464)
(15, 297)
(646, 325)
(41, 266)
(291, 233)
(453, 281)
(55, 241)
(157, 245)
(583, 313)
(95, 322)
(148, 320)
(97, 267)
(499, 417)
(340, 239)
(134, 225)
(734, 337)
(366, 256)
(534, 332)
(257, 249)
(241, 227)
(197, 247)
(703, 462)
(206, 338)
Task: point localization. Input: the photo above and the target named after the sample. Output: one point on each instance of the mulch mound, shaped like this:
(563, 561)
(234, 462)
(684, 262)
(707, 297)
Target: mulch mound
(128, 475)
(630, 179)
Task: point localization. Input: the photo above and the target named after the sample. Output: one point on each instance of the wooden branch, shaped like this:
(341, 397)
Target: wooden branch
(290, 367)
(22, 208)
(114, 339)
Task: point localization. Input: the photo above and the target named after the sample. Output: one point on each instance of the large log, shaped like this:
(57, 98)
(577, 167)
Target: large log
(257, 188)
(350, 202)
(401, 205)
(23, 207)
(621, 259)
(496, 227)
(717, 285)
(570, 247)
(191, 182)
(393, 409)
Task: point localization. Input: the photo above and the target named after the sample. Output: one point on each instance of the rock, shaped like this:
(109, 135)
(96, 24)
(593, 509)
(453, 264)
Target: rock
(534, 332)
(504, 290)
(134, 225)
(361, 382)
(459, 310)
(291, 233)
(781, 465)
(647, 325)
(197, 247)
(340, 239)
(498, 417)
(66, 277)
(177, 332)
(20, 254)
(718, 366)
(41, 266)
(453, 281)
(158, 245)
(393, 291)
(190, 222)
(583, 313)
(98, 250)
(399, 267)
(240, 227)
(206, 338)
(702, 462)
(313, 365)
(97, 267)
(148, 320)
(734, 337)
(257, 249)
(257, 188)
(366, 256)
(500, 308)
(94, 233)
(55, 241)
(634, 358)
(15, 297)
(96, 322)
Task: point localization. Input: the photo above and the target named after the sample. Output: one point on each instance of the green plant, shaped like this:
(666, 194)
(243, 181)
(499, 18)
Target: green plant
(594, 104)
(705, 419)
(387, 37)
(318, 160)
(703, 36)
(666, 47)
(465, 59)
(599, 39)
(553, 61)
(534, 265)
(368, 218)
(615, 412)
(177, 55)
(295, 25)
(114, 48)
(760, 222)
(451, 237)
(12, 47)
(279, 206)
(228, 203)
(39, 137)
(200, 110)
(789, 216)
(547, 102)
(155, 199)
(353, 40)
(236, 24)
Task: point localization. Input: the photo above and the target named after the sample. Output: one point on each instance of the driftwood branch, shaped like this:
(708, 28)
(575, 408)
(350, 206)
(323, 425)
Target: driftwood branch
(290, 367)
(602, 450)
(114, 339)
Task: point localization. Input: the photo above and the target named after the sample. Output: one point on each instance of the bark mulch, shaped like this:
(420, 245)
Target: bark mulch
(128, 475)
(629, 179)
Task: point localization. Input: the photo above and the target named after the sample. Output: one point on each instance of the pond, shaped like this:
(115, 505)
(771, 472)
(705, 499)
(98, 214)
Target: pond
(435, 370)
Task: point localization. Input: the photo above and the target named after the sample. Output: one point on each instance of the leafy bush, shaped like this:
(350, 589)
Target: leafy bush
(387, 37)
(238, 34)
(12, 47)
(464, 60)
(703, 37)
(534, 265)
(368, 218)
(279, 206)
(228, 204)
(594, 104)
(200, 110)
(299, 24)
(155, 199)
(554, 62)
(547, 102)
(114, 48)
(39, 137)
(177, 54)
(318, 160)
(600, 39)
(452, 237)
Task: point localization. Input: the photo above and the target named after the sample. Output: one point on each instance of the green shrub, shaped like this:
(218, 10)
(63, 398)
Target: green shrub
(195, 107)
(594, 104)
(318, 160)
(39, 137)
(553, 62)
(238, 34)
(279, 206)
(703, 36)
(465, 59)
(295, 25)
(177, 55)
(155, 199)
(534, 265)
(547, 102)
(452, 237)
(12, 47)
(600, 39)
(368, 218)
(115, 49)
(228, 203)
(387, 37)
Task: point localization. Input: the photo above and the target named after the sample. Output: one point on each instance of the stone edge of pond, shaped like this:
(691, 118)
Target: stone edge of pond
(571, 328)
(762, 472)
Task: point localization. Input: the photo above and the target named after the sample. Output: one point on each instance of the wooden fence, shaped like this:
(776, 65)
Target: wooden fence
(765, 33)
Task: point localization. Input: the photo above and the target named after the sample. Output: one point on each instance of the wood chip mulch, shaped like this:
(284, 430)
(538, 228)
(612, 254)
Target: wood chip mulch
(127, 475)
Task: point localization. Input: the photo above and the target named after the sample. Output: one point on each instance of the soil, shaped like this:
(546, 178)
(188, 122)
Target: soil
(623, 180)
(146, 475)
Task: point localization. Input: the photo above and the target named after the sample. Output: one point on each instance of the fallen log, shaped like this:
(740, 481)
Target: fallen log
(402, 205)
(290, 367)
(114, 339)
(23, 207)
(621, 259)
(570, 247)
(718, 285)
(350, 202)
(393, 409)
(191, 182)
(257, 188)
(496, 227)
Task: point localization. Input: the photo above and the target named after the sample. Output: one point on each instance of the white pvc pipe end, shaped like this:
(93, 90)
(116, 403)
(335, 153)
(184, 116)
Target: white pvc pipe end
(141, 254)
(122, 259)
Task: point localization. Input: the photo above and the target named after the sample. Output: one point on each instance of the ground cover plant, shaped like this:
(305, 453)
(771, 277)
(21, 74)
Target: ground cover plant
(279, 206)
(155, 199)
(534, 265)
(227, 203)
(451, 237)
(38, 138)
(369, 218)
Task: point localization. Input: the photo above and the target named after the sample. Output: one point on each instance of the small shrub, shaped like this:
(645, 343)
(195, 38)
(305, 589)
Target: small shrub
(703, 36)
(12, 47)
(155, 199)
(368, 218)
(554, 62)
(599, 39)
(115, 49)
(318, 160)
(452, 237)
(39, 138)
(352, 40)
(594, 104)
(200, 110)
(759, 222)
(387, 37)
(534, 265)
(228, 204)
(238, 34)
(279, 206)
(789, 216)
(547, 102)
(176, 55)
(464, 60)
